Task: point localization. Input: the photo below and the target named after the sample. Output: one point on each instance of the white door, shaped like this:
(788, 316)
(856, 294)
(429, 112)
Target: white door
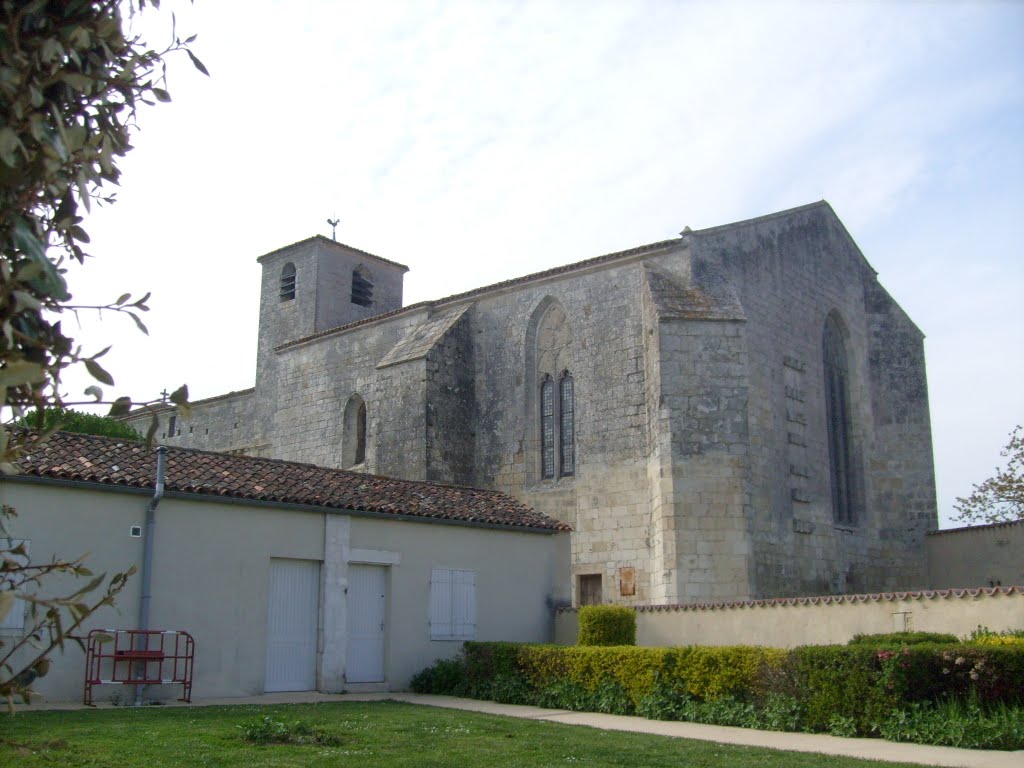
(292, 612)
(367, 599)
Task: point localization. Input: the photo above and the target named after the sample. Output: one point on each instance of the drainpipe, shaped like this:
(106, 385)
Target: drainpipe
(147, 550)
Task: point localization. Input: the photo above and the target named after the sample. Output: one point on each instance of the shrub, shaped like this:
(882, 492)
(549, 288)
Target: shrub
(607, 625)
(993, 673)
(986, 636)
(486, 661)
(847, 690)
(70, 420)
(711, 672)
(632, 668)
(443, 677)
(837, 684)
(904, 638)
(703, 672)
(956, 723)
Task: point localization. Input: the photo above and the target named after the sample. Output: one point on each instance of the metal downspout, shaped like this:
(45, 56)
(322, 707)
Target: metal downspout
(147, 550)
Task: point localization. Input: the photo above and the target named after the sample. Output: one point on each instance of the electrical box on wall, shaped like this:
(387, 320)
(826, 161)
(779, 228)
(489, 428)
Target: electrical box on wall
(135, 531)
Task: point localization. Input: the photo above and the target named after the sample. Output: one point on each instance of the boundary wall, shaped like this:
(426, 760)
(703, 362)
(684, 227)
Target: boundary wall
(789, 622)
(976, 556)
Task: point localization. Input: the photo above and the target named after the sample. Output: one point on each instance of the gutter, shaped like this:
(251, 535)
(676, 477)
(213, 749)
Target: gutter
(147, 551)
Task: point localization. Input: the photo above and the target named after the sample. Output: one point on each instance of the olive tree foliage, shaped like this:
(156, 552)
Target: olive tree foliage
(72, 78)
(999, 499)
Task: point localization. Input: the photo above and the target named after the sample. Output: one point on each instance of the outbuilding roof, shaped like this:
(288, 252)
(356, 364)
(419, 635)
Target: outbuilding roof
(105, 461)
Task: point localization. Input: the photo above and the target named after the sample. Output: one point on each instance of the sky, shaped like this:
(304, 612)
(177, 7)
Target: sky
(479, 141)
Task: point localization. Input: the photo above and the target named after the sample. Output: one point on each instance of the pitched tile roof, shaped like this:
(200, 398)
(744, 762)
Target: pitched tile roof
(114, 462)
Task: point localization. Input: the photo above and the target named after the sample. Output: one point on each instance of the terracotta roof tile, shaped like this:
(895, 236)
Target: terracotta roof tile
(109, 461)
(965, 593)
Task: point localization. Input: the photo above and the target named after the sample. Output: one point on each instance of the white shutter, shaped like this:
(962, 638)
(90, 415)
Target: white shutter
(464, 605)
(14, 620)
(452, 604)
(440, 604)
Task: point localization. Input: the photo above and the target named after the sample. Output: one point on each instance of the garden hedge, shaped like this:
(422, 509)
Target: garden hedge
(850, 689)
(904, 638)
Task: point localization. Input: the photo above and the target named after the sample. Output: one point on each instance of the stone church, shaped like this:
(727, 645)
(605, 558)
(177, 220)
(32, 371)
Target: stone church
(737, 413)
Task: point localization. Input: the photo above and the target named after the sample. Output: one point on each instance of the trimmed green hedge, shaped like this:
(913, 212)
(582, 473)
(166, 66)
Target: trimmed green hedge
(904, 638)
(607, 625)
(845, 690)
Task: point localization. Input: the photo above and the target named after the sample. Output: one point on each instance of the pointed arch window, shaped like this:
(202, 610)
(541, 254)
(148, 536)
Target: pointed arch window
(550, 416)
(837, 417)
(288, 282)
(557, 426)
(567, 425)
(353, 449)
(547, 427)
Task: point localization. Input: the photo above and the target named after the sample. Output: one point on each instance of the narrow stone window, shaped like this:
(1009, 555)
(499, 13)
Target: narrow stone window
(288, 282)
(353, 447)
(567, 426)
(837, 416)
(547, 427)
(361, 434)
(362, 289)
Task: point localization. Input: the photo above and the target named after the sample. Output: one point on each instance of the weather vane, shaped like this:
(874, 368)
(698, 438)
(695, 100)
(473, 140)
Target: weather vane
(334, 228)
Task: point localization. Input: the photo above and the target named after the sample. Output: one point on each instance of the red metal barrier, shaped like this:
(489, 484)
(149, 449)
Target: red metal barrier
(137, 657)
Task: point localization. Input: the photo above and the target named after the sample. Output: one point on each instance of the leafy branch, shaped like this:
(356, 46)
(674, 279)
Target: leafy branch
(71, 81)
(52, 620)
(1000, 498)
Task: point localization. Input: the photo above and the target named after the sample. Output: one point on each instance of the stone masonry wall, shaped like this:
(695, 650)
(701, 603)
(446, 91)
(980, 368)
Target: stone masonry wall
(314, 381)
(608, 499)
(704, 385)
(901, 464)
(226, 423)
(791, 271)
(451, 407)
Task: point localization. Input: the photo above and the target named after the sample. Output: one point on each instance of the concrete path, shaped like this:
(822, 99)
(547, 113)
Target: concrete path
(871, 749)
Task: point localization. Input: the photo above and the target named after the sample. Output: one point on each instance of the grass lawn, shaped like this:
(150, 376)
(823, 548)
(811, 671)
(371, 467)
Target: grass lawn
(370, 734)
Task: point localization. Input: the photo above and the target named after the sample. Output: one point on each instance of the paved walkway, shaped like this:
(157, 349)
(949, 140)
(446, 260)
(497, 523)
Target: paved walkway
(872, 749)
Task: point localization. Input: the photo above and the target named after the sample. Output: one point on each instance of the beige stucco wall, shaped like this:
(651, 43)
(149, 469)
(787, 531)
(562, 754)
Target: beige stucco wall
(210, 578)
(981, 556)
(819, 621)
(517, 574)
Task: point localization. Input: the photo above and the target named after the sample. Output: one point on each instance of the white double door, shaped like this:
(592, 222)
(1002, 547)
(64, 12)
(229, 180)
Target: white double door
(292, 624)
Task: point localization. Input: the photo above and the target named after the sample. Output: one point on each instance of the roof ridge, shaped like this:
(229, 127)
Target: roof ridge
(455, 297)
(765, 217)
(326, 241)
